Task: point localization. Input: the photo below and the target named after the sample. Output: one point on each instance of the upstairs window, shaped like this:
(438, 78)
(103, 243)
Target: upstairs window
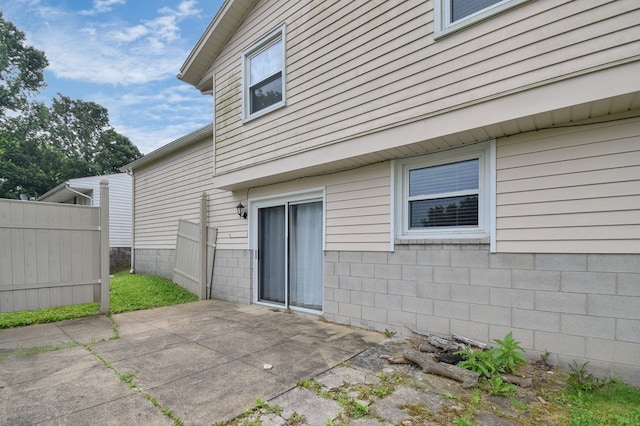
(451, 15)
(264, 75)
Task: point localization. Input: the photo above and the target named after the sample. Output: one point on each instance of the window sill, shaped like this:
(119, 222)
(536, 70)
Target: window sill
(443, 241)
(441, 30)
(264, 112)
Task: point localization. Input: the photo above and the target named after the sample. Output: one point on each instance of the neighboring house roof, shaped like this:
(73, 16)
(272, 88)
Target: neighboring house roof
(229, 17)
(66, 190)
(120, 201)
(167, 149)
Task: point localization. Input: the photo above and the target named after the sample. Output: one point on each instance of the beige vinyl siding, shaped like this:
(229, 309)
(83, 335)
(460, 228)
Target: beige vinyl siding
(570, 190)
(357, 206)
(357, 67)
(169, 189)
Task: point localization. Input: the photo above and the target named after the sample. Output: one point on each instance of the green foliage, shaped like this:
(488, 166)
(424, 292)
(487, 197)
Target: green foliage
(481, 362)
(508, 355)
(611, 403)
(42, 316)
(359, 410)
(388, 333)
(133, 292)
(465, 420)
(310, 384)
(580, 379)
(503, 359)
(128, 293)
(41, 147)
(21, 68)
(497, 386)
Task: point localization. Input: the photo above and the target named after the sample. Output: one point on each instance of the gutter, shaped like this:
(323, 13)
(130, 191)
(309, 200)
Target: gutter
(68, 188)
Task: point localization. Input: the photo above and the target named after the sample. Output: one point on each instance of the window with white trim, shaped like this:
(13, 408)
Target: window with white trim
(264, 75)
(451, 15)
(444, 195)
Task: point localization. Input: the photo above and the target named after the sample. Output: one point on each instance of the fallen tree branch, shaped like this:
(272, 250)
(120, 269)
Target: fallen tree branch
(468, 378)
(446, 344)
(523, 382)
(395, 359)
(469, 341)
(427, 347)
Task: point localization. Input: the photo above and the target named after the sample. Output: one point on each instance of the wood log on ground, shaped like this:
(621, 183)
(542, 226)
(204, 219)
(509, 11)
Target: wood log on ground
(446, 344)
(427, 347)
(395, 359)
(523, 382)
(468, 378)
(468, 341)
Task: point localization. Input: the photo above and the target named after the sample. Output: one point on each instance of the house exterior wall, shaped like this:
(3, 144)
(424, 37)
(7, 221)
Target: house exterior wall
(570, 190)
(368, 86)
(167, 190)
(575, 300)
(574, 306)
(170, 189)
(375, 64)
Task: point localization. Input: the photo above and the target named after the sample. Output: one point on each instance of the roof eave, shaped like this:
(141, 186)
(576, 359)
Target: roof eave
(227, 20)
(173, 146)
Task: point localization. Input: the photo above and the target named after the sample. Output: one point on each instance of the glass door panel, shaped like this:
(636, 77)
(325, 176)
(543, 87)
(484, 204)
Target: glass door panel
(305, 255)
(272, 254)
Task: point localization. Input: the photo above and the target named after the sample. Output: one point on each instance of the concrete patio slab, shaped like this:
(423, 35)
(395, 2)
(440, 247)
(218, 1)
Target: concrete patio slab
(203, 361)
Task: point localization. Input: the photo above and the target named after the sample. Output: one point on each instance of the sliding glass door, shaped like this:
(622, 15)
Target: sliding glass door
(290, 254)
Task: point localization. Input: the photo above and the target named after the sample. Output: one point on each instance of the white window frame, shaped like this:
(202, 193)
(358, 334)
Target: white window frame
(485, 153)
(271, 38)
(442, 16)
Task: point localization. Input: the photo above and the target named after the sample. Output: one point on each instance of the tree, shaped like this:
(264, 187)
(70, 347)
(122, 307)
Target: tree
(81, 132)
(25, 163)
(21, 68)
(41, 147)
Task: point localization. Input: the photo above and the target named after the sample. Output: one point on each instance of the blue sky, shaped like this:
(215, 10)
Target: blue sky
(124, 55)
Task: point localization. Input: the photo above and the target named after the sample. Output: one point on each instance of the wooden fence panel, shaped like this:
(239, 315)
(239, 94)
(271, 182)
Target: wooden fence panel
(49, 255)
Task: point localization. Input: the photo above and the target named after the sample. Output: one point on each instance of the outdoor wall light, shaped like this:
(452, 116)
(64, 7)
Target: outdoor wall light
(242, 211)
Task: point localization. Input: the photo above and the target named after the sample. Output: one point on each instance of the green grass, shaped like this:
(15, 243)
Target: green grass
(136, 292)
(128, 293)
(613, 403)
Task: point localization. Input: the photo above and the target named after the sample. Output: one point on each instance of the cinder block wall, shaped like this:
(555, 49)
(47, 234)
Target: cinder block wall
(119, 259)
(232, 276)
(155, 262)
(577, 307)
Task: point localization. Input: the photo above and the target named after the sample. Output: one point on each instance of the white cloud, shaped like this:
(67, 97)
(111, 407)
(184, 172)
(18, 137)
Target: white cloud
(112, 51)
(154, 115)
(101, 6)
(130, 34)
(125, 62)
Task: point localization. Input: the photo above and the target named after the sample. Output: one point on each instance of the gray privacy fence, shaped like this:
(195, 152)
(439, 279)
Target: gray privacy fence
(193, 271)
(54, 254)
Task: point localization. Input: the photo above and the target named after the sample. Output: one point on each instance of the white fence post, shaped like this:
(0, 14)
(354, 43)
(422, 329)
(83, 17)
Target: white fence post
(203, 246)
(104, 246)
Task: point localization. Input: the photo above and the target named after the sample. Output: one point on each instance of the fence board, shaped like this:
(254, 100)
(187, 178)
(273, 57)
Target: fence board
(186, 271)
(49, 255)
